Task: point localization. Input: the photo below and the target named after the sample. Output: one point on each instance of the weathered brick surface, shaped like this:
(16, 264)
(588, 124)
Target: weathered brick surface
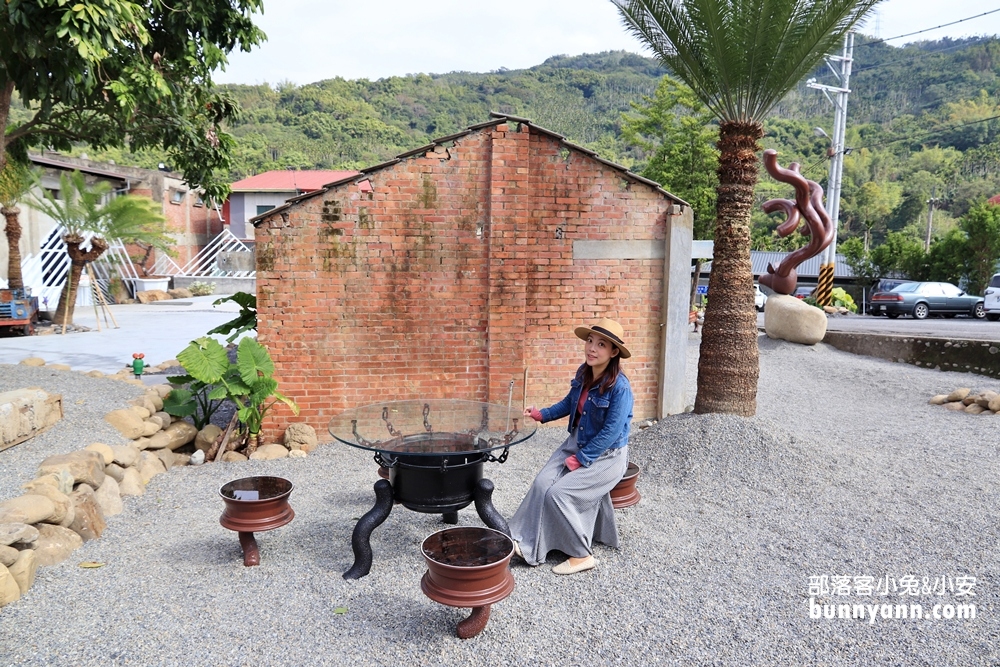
(454, 275)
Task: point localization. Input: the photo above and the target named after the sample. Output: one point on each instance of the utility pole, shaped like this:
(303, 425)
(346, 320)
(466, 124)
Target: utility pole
(930, 218)
(829, 256)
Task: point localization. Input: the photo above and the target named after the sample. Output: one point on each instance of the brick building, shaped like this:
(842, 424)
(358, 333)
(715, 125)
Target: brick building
(456, 266)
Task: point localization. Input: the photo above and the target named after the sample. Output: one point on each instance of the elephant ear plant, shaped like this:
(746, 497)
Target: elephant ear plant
(249, 383)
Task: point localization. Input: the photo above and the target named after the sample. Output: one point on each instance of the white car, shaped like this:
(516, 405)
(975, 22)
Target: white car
(991, 302)
(759, 298)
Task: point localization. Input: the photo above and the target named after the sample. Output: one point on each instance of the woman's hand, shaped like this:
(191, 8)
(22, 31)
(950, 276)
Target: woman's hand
(572, 462)
(534, 413)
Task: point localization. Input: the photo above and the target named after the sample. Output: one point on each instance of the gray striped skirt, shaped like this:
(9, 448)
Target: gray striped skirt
(567, 510)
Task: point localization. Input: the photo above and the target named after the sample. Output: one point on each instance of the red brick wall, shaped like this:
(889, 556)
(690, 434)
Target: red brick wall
(454, 275)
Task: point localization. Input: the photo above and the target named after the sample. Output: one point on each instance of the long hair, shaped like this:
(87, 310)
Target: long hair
(585, 374)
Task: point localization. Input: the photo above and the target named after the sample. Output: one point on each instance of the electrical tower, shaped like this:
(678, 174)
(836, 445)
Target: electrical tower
(843, 73)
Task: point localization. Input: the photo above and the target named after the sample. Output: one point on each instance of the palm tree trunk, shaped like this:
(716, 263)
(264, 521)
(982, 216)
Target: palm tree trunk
(78, 259)
(13, 233)
(729, 362)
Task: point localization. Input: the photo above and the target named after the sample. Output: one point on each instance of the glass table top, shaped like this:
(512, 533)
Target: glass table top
(432, 427)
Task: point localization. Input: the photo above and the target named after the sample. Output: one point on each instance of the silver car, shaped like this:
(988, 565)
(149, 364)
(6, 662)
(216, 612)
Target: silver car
(923, 299)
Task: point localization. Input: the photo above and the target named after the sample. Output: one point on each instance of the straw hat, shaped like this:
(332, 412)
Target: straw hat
(606, 329)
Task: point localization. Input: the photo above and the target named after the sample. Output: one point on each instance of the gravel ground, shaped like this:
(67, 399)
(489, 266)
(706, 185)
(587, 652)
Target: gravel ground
(846, 472)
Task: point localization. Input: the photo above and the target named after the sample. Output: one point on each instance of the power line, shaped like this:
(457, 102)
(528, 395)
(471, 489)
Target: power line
(943, 25)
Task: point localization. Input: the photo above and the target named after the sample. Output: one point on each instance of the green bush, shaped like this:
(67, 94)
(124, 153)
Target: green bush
(199, 288)
(842, 299)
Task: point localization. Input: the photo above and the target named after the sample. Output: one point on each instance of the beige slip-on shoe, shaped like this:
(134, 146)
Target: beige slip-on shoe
(566, 567)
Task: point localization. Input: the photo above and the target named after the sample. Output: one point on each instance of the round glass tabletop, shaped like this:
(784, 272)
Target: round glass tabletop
(439, 426)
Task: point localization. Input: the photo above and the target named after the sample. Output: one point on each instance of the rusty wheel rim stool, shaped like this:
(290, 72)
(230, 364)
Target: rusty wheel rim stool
(468, 567)
(255, 504)
(625, 494)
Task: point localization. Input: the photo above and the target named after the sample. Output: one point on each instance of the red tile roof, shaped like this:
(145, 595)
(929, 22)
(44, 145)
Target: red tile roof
(290, 181)
(995, 199)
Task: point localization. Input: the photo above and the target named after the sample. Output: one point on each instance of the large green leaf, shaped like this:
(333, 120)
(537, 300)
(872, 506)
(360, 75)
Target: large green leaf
(287, 401)
(180, 403)
(253, 361)
(261, 390)
(180, 379)
(218, 393)
(205, 359)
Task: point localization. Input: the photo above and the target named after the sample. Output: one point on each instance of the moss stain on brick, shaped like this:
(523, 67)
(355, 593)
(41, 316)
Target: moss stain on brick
(428, 198)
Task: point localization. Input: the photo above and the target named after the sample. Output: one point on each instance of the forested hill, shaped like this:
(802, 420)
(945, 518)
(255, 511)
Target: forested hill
(353, 123)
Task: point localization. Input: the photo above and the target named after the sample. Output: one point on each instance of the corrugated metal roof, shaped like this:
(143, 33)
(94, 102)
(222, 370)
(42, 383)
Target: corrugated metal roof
(759, 259)
(291, 181)
(70, 166)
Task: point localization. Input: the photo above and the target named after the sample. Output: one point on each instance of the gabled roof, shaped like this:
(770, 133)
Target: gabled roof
(496, 119)
(290, 181)
(55, 163)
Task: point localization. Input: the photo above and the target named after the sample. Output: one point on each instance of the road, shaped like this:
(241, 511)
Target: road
(964, 328)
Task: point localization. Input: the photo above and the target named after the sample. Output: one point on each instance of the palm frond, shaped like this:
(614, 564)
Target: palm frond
(741, 56)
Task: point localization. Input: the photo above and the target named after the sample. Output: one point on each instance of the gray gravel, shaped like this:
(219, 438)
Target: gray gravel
(844, 471)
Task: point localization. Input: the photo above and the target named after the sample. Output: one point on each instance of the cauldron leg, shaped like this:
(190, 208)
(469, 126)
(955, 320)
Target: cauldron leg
(251, 553)
(450, 517)
(360, 539)
(484, 506)
(475, 623)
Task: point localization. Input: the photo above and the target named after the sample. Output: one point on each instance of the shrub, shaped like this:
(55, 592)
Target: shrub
(842, 299)
(199, 288)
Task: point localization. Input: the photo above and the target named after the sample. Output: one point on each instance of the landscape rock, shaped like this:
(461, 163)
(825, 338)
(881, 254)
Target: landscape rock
(125, 455)
(59, 367)
(8, 555)
(86, 466)
(30, 508)
(150, 427)
(55, 544)
(140, 411)
(955, 405)
(141, 443)
(197, 458)
(984, 399)
(164, 389)
(180, 293)
(969, 400)
(94, 374)
(180, 433)
(33, 361)
(297, 454)
(17, 533)
(9, 590)
(791, 319)
(959, 394)
(995, 404)
(128, 423)
(26, 412)
(23, 570)
(152, 295)
(975, 409)
(162, 418)
(269, 453)
(109, 497)
(206, 437)
(89, 521)
(63, 514)
(233, 457)
(115, 472)
(131, 483)
(301, 436)
(149, 466)
(167, 458)
(155, 400)
(103, 450)
(940, 399)
(61, 480)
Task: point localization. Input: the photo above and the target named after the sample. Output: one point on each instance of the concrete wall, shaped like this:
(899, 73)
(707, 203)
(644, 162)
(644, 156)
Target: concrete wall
(459, 271)
(966, 356)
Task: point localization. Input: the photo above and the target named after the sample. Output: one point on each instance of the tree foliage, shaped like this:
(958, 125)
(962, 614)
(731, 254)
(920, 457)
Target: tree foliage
(133, 73)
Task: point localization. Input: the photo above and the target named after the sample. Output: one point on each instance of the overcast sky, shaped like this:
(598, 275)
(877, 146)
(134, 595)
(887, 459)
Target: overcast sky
(311, 40)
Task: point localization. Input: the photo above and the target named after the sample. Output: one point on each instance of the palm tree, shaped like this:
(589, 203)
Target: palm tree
(740, 57)
(93, 211)
(15, 182)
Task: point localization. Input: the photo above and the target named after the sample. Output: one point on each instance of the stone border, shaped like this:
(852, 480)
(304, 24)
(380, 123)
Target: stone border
(69, 500)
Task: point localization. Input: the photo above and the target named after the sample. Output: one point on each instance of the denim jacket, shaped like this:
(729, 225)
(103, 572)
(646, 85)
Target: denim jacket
(606, 418)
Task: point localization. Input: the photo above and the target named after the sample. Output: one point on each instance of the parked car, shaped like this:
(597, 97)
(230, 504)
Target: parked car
(883, 285)
(923, 299)
(759, 298)
(804, 291)
(991, 300)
